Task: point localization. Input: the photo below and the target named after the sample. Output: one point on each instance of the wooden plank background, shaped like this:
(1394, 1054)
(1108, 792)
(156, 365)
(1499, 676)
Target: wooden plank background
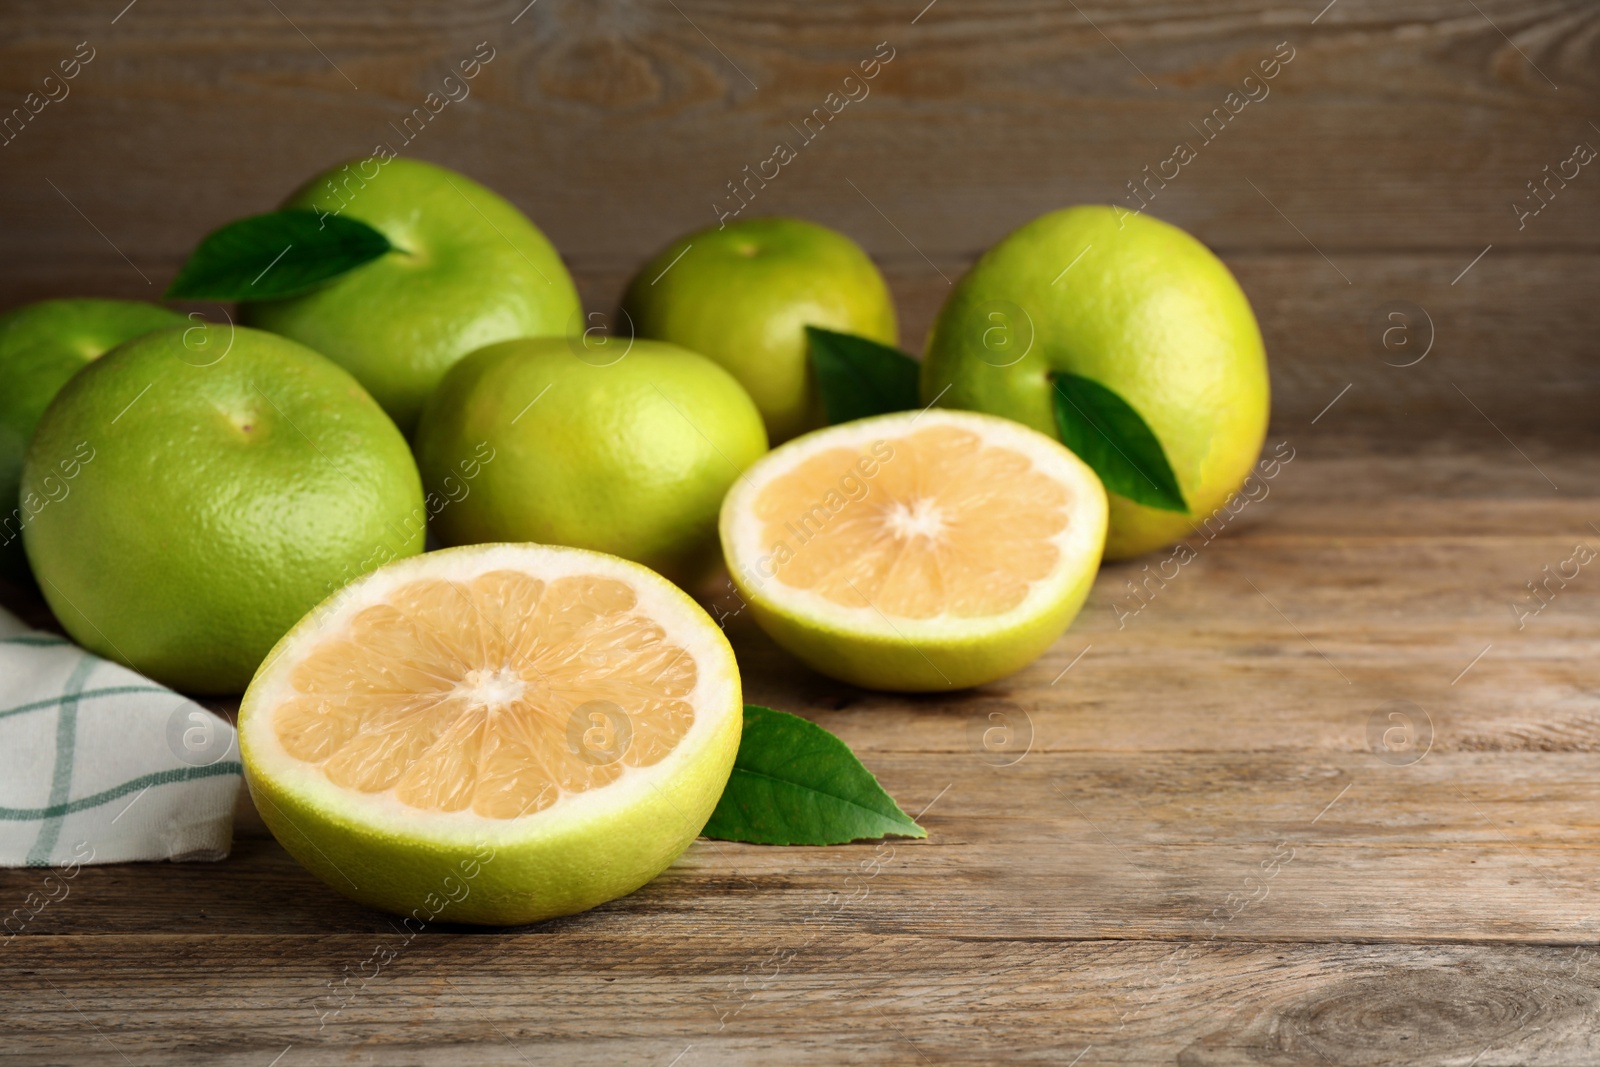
(1189, 848)
(1395, 142)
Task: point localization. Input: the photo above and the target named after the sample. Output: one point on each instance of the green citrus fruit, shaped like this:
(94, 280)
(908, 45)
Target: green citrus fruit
(1134, 304)
(916, 551)
(493, 734)
(743, 295)
(469, 270)
(41, 346)
(199, 489)
(546, 440)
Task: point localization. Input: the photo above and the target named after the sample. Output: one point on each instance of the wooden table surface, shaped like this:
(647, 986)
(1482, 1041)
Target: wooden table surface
(1328, 795)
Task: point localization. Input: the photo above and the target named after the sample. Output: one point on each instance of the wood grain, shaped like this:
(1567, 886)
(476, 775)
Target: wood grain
(1396, 126)
(1386, 157)
(1190, 846)
(1319, 335)
(579, 998)
(1187, 834)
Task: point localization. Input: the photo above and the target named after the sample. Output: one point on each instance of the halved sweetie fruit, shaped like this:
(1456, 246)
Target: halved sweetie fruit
(493, 734)
(919, 551)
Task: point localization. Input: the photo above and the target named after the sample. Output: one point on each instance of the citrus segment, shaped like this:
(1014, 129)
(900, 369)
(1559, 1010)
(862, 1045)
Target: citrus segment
(571, 709)
(457, 695)
(942, 538)
(922, 550)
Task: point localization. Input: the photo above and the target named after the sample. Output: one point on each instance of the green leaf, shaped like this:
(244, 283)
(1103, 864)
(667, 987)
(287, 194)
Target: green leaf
(794, 783)
(283, 253)
(1112, 438)
(858, 377)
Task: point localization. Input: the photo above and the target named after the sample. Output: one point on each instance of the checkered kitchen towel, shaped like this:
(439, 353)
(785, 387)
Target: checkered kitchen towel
(101, 765)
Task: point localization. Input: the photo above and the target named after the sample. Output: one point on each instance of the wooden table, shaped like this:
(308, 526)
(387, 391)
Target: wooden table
(1326, 796)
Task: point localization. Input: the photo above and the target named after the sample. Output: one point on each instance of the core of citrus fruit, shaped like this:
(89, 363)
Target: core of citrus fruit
(201, 490)
(493, 734)
(1140, 307)
(917, 551)
(743, 293)
(627, 449)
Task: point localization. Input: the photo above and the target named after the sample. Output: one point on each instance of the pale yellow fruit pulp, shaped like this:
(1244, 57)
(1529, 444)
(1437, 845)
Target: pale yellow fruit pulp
(935, 543)
(458, 695)
(923, 550)
(571, 712)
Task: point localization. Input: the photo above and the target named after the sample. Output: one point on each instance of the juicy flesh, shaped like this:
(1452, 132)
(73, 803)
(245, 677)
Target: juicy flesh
(497, 693)
(934, 522)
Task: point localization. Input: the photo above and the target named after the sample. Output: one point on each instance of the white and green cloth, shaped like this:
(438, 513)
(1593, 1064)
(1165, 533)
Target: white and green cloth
(101, 765)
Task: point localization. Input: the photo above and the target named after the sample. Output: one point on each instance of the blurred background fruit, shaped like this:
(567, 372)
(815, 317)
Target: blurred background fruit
(627, 451)
(1135, 304)
(743, 294)
(206, 487)
(42, 345)
(470, 270)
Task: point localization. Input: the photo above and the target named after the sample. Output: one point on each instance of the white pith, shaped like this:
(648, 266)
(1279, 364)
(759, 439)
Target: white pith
(1079, 542)
(715, 697)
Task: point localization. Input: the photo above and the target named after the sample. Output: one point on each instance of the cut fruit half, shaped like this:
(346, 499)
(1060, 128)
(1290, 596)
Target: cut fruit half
(493, 734)
(918, 551)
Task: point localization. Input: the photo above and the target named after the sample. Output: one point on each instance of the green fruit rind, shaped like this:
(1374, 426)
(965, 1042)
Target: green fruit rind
(469, 270)
(461, 868)
(1138, 306)
(206, 486)
(866, 648)
(42, 345)
(931, 666)
(743, 294)
(626, 454)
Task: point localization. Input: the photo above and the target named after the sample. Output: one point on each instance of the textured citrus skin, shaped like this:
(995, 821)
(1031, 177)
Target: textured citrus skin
(473, 271)
(538, 867)
(225, 481)
(631, 458)
(744, 294)
(1149, 312)
(569, 868)
(976, 652)
(927, 666)
(41, 346)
